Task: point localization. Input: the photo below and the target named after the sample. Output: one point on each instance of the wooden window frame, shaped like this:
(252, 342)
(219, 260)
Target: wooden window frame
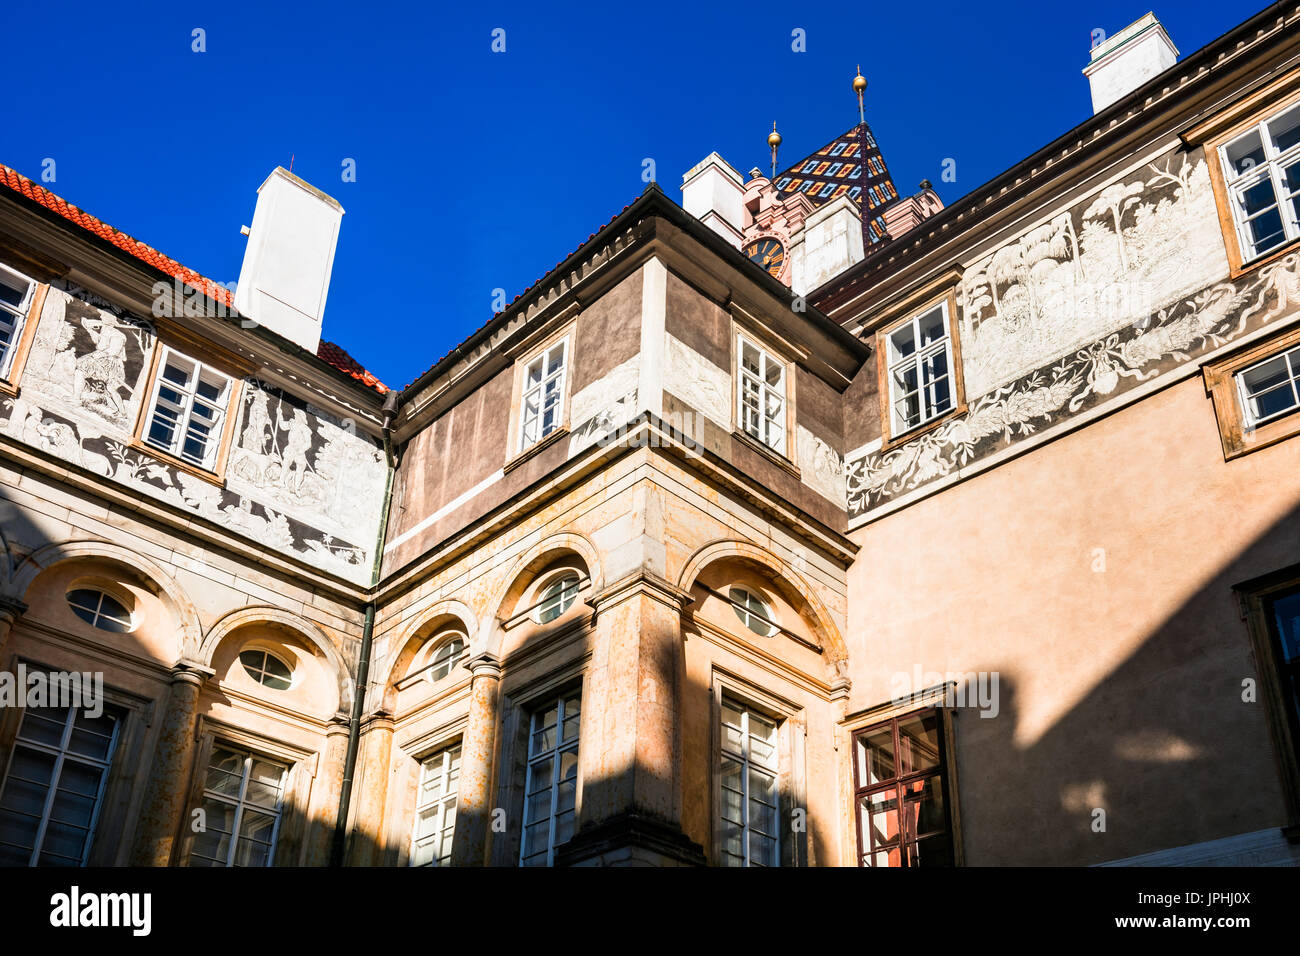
(24, 335)
(442, 802)
(898, 782)
(914, 309)
(789, 356)
(1256, 597)
(1237, 434)
(791, 733)
(517, 453)
(1215, 133)
(203, 356)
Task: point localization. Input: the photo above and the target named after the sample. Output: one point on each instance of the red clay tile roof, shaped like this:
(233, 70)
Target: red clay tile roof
(327, 352)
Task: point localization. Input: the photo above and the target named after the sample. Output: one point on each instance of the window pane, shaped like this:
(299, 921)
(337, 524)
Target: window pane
(903, 341)
(875, 757)
(931, 326)
(1245, 153)
(1285, 130)
(918, 741)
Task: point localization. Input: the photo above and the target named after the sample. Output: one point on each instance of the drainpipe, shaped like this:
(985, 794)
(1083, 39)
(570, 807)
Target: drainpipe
(367, 639)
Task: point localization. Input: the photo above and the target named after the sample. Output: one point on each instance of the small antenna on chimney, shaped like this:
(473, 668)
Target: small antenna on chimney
(774, 140)
(291, 162)
(859, 87)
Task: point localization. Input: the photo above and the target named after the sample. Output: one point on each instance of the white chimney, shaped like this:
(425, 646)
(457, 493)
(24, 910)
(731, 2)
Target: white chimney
(829, 242)
(714, 192)
(1122, 63)
(286, 272)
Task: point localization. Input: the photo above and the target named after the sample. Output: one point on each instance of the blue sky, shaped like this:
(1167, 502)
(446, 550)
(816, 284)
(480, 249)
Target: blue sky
(479, 170)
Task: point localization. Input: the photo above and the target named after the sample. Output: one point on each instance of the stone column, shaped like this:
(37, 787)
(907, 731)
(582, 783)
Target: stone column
(472, 841)
(324, 807)
(11, 609)
(632, 780)
(367, 838)
(169, 772)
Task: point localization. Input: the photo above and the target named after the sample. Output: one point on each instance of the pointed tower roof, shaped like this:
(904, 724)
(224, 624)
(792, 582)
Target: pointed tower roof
(849, 165)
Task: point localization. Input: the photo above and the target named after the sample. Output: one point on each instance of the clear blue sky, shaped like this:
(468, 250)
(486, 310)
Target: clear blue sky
(479, 170)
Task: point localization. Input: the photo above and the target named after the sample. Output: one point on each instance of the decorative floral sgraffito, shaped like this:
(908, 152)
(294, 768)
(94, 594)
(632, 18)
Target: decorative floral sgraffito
(1116, 256)
(1078, 381)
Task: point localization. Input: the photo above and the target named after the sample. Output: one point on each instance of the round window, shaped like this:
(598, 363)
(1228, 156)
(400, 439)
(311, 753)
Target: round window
(557, 598)
(445, 657)
(753, 613)
(100, 610)
(267, 669)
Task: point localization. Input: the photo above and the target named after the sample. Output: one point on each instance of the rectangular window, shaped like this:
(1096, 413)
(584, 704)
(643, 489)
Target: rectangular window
(54, 786)
(543, 396)
(243, 796)
(15, 300)
(919, 356)
(435, 809)
(551, 785)
(1270, 388)
(188, 409)
(762, 395)
(748, 815)
(901, 793)
(1261, 169)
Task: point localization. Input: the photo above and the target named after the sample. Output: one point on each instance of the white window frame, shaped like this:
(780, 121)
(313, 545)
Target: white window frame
(772, 430)
(62, 756)
(746, 613)
(1235, 183)
(184, 409)
(1291, 359)
(14, 316)
(98, 613)
(895, 366)
(444, 766)
(560, 381)
(240, 802)
(554, 753)
(747, 762)
(257, 674)
(558, 594)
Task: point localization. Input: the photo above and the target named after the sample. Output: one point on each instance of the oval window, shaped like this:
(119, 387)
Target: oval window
(753, 613)
(557, 598)
(445, 657)
(267, 669)
(100, 610)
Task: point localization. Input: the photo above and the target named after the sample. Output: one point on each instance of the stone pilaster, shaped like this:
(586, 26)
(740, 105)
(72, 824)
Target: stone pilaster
(169, 772)
(324, 808)
(366, 844)
(11, 609)
(632, 783)
(471, 843)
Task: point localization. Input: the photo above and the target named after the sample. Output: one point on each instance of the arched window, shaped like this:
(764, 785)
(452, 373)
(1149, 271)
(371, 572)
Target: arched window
(99, 609)
(445, 657)
(753, 613)
(267, 669)
(557, 597)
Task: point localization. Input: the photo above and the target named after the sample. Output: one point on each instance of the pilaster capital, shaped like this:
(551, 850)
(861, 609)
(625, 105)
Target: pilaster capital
(11, 609)
(190, 672)
(642, 583)
(485, 664)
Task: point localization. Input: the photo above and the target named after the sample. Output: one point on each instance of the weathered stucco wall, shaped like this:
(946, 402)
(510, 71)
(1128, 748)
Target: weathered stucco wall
(1094, 577)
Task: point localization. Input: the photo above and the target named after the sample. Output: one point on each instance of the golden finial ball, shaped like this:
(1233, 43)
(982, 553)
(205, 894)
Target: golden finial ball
(774, 138)
(859, 83)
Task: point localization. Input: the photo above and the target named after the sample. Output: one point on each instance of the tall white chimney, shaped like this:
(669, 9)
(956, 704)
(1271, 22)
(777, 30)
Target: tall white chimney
(286, 272)
(1122, 63)
(714, 192)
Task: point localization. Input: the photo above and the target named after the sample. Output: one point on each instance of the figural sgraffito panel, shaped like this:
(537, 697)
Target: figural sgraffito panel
(1127, 284)
(298, 480)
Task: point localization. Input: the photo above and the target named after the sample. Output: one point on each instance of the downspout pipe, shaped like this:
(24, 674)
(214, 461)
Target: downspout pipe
(339, 847)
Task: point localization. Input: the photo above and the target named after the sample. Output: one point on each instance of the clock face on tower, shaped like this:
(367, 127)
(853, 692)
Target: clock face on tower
(768, 253)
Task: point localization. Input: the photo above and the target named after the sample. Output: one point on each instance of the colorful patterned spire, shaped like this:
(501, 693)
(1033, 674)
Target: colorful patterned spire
(849, 165)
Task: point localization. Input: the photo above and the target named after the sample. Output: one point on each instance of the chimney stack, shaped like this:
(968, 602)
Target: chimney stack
(1122, 63)
(713, 191)
(286, 272)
